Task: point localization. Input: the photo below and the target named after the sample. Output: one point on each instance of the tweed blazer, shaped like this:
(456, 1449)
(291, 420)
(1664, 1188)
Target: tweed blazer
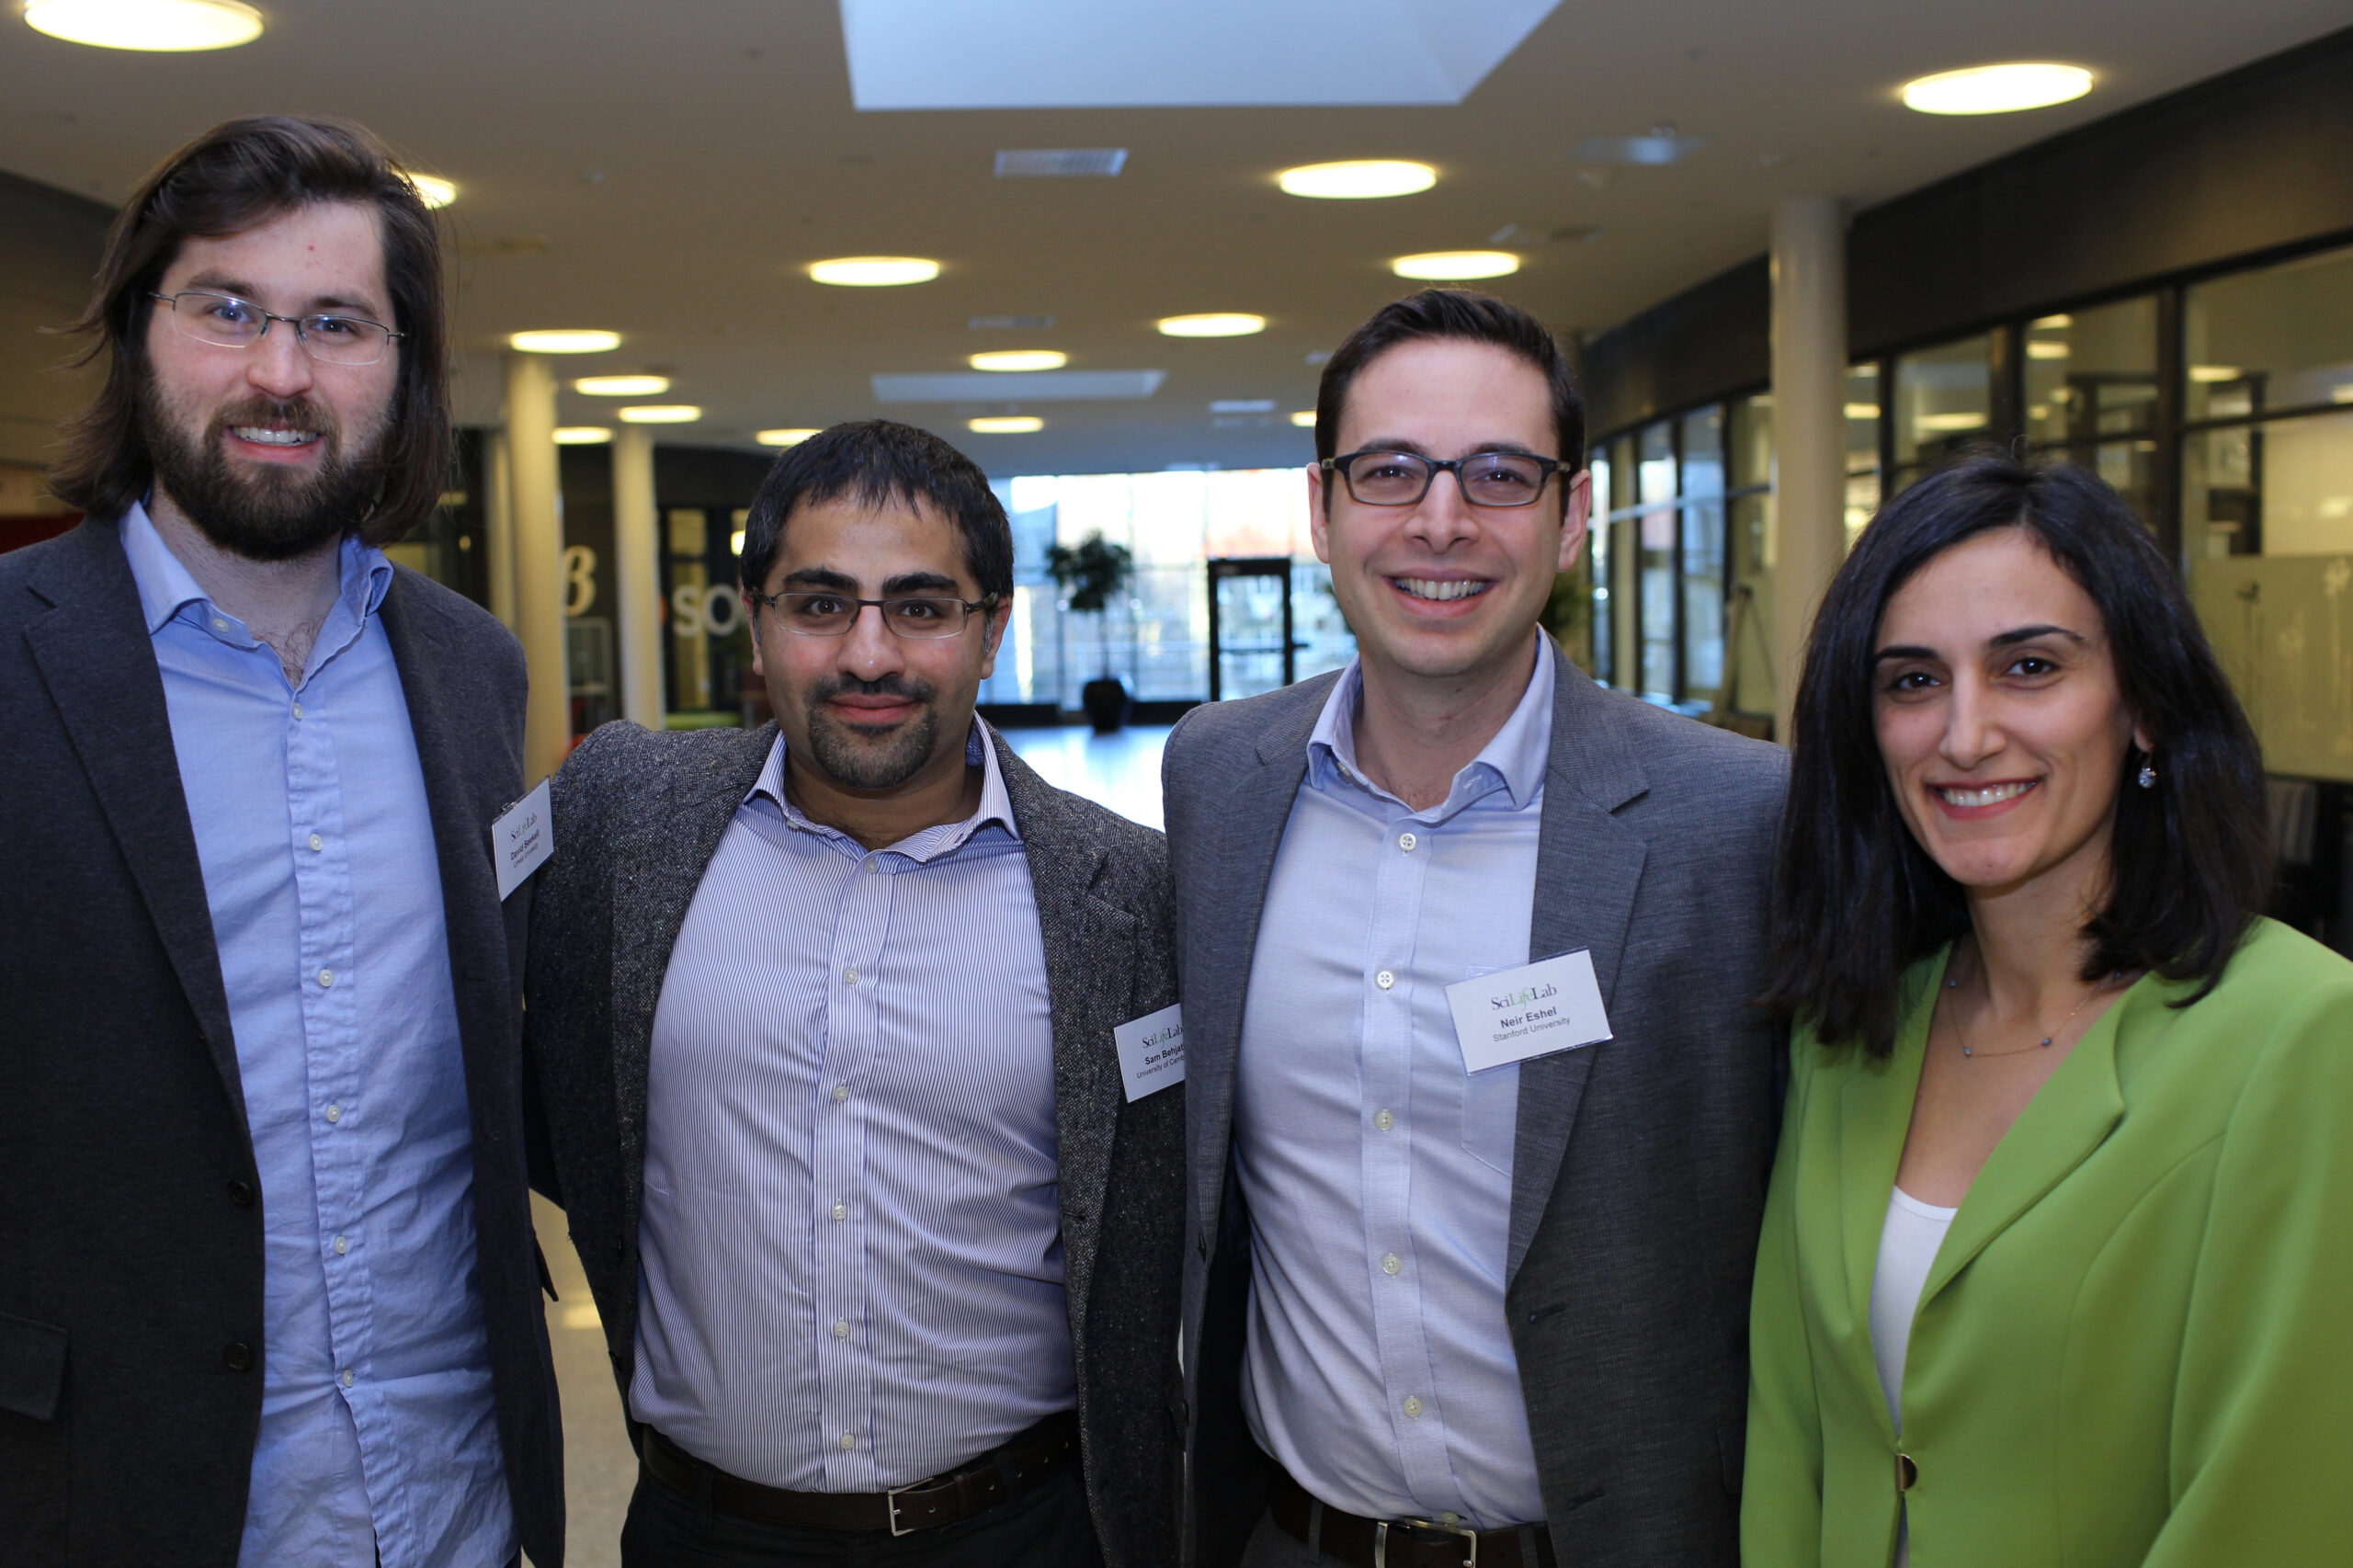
(130, 1242)
(637, 817)
(1639, 1165)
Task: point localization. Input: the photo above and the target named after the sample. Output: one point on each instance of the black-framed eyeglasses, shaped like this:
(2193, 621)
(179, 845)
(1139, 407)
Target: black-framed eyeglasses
(821, 614)
(1401, 479)
(226, 322)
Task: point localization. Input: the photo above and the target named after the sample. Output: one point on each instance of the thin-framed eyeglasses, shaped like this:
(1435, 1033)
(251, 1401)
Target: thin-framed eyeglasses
(226, 322)
(1401, 479)
(822, 614)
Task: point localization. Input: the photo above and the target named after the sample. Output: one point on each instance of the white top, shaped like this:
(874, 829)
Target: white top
(1907, 1250)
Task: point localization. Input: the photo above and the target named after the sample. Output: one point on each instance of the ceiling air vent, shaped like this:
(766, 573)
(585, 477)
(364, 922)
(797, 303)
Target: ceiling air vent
(1060, 163)
(1011, 324)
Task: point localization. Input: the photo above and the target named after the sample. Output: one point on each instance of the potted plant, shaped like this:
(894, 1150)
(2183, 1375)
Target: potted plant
(1091, 575)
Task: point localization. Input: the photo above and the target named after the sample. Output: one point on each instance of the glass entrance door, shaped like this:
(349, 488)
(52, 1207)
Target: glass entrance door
(1251, 646)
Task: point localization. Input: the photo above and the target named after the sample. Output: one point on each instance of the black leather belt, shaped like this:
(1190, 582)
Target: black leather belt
(1015, 1467)
(1401, 1544)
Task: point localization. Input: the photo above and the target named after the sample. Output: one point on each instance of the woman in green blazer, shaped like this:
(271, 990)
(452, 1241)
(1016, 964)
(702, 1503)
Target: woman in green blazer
(2057, 1266)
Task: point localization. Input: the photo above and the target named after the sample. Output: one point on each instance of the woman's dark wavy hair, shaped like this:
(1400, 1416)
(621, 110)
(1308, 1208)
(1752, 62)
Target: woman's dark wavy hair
(236, 176)
(1855, 898)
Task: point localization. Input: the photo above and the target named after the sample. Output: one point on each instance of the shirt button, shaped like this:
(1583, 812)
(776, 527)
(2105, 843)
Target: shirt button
(346, 1377)
(326, 977)
(298, 711)
(1413, 1406)
(841, 1328)
(334, 1114)
(1406, 841)
(841, 1092)
(1384, 1121)
(219, 624)
(873, 866)
(849, 1440)
(1390, 1264)
(317, 843)
(841, 1212)
(342, 1245)
(1384, 980)
(849, 976)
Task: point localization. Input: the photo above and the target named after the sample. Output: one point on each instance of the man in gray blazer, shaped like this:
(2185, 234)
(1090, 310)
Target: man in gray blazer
(1479, 1118)
(886, 1251)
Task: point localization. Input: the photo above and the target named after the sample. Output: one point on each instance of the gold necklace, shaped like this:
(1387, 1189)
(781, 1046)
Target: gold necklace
(2044, 1043)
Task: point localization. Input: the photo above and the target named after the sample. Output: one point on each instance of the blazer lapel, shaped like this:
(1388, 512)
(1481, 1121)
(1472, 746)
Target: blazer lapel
(1588, 866)
(657, 863)
(1874, 1119)
(97, 658)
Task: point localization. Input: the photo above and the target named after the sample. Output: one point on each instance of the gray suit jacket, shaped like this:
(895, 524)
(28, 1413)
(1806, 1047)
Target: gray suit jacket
(637, 817)
(1639, 1165)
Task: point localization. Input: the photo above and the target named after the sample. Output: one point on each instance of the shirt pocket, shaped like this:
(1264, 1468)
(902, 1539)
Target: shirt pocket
(1489, 1102)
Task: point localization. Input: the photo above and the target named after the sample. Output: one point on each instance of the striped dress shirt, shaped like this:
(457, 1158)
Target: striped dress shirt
(851, 1244)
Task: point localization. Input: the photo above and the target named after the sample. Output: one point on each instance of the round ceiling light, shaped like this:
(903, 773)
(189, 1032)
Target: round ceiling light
(1214, 324)
(564, 340)
(431, 189)
(165, 26)
(1020, 359)
(792, 438)
(1996, 89)
(582, 435)
(1005, 425)
(661, 414)
(1358, 180)
(1456, 266)
(622, 386)
(874, 271)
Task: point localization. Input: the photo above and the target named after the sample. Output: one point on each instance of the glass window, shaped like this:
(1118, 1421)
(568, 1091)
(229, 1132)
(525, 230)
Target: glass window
(1655, 489)
(2092, 374)
(1703, 562)
(1625, 630)
(1862, 447)
(1943, 402)
(1597, 551)
(2278, 339)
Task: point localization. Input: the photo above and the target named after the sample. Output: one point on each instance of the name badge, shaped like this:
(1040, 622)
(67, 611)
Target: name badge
(1151, 1051)
(522, 838)
(1534, 1010)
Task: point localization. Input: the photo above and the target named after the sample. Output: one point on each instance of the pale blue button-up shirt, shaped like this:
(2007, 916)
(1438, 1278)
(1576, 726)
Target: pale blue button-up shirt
(851, 1233)
(377, 1430)
(1379, 1369)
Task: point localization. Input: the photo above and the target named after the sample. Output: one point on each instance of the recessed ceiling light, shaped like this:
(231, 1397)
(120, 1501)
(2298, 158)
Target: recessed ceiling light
(1358, 180)
(874, 271)
(431, 189)
(1966, 420)
(1214, 324)
(1005, 425)
(1454, 265)
(169, 26)
(661, 414)
(2211, 373)
(783, 437)
(1996, 89)
(582, 435)
(1862, 411)
(1304, 419)
(1020, 359)
(565, 340)
(622, 386)
(2060, 320)
(2045, 350)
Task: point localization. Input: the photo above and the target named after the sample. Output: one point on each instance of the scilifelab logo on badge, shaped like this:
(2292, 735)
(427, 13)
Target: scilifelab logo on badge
(1526, 996)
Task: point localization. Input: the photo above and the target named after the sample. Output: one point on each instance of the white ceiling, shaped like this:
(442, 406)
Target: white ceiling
(667, 170)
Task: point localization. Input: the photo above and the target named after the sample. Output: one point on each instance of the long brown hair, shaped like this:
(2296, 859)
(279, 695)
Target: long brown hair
(237, 175)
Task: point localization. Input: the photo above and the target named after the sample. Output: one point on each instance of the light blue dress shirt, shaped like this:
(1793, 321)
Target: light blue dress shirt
(851, 1232)
(1379, 1369)
(377, 1430)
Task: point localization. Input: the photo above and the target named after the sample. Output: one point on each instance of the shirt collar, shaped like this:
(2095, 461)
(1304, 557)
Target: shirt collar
(1515, 758)
(167, 586)
(995, 807)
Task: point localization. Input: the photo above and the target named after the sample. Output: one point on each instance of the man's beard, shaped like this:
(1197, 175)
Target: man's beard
(856, 762)
(269, 513)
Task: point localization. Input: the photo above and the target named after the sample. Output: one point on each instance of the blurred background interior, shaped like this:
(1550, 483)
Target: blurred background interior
(1097, 246)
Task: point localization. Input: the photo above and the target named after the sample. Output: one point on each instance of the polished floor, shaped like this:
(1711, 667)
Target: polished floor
(1122, 771)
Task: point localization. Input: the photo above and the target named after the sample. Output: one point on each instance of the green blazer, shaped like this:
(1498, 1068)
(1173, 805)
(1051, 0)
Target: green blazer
(2136, 1345)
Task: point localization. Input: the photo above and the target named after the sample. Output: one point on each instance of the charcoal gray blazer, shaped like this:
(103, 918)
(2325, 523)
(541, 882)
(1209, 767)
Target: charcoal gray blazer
(637, 817)
(1640, 1164)
(130, 1234)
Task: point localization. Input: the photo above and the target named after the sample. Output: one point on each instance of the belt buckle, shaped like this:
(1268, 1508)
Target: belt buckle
(1470, 1538)
(891, 1502)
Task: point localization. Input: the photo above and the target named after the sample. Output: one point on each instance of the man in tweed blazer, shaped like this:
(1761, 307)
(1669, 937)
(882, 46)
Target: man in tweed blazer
(822, 1017)
(1431, 1312)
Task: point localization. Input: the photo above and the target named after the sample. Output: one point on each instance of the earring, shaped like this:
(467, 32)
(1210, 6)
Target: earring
(2148, 780)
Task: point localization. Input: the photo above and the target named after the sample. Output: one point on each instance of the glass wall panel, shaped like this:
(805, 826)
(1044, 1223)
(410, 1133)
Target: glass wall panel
(2278, 339)
(1863, 414)
(1655, 488)
(2091, 375)
(1625, 657)
(1944, 400)
(2267, 520)
(1597, 551)
(1705, 569)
